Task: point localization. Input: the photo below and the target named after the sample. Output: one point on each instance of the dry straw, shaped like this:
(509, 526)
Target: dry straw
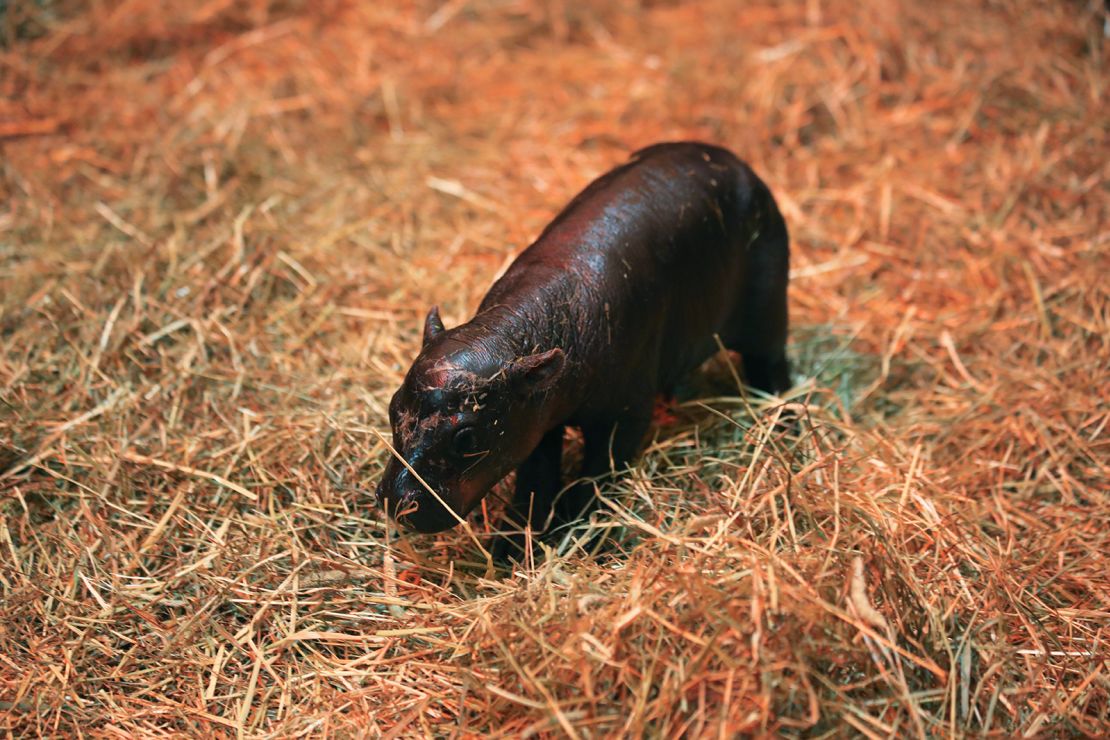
(221, 222)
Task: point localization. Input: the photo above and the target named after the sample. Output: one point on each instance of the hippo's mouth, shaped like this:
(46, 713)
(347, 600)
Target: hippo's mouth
(424, 514)
(415, 508)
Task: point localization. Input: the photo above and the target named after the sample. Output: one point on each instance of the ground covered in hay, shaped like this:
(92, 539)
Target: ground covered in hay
(221, 224)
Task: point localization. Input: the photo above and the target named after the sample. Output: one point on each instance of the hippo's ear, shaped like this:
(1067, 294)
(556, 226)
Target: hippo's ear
(433, 325)
(537, 373)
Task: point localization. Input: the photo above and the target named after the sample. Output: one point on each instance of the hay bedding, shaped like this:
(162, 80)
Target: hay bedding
(222, 222)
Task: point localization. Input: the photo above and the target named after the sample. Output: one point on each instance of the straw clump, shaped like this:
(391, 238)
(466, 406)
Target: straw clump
(222, 224)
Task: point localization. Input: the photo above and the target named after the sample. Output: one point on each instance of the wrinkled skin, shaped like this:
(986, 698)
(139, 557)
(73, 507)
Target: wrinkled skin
(619, 297)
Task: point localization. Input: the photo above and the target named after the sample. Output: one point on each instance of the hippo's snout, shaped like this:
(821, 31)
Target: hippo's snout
(410, 504)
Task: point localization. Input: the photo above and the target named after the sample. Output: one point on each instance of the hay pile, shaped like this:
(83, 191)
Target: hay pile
(221, 223)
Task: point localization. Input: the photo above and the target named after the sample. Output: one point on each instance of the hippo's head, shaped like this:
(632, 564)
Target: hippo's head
(463, 418)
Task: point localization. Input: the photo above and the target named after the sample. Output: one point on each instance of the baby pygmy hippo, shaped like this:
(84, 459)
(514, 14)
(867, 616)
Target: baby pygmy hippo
(619, 297)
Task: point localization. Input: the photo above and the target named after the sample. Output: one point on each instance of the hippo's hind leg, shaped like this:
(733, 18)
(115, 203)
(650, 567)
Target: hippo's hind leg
(767, 374)
(538, 480)
(757, 328)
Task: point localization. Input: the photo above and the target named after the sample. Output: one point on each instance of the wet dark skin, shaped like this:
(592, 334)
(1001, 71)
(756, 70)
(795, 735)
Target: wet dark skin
(619, 298)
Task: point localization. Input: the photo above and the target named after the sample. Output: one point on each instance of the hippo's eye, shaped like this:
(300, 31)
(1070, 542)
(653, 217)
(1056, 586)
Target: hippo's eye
(465, 441)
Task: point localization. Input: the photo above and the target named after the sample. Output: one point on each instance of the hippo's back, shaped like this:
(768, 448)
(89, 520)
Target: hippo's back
(644, 266)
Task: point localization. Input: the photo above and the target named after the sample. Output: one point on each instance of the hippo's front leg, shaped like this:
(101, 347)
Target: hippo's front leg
(608, 449)
(538, 480)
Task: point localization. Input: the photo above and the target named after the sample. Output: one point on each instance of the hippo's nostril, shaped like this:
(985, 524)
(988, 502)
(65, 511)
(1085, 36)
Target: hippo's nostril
(382, 492)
